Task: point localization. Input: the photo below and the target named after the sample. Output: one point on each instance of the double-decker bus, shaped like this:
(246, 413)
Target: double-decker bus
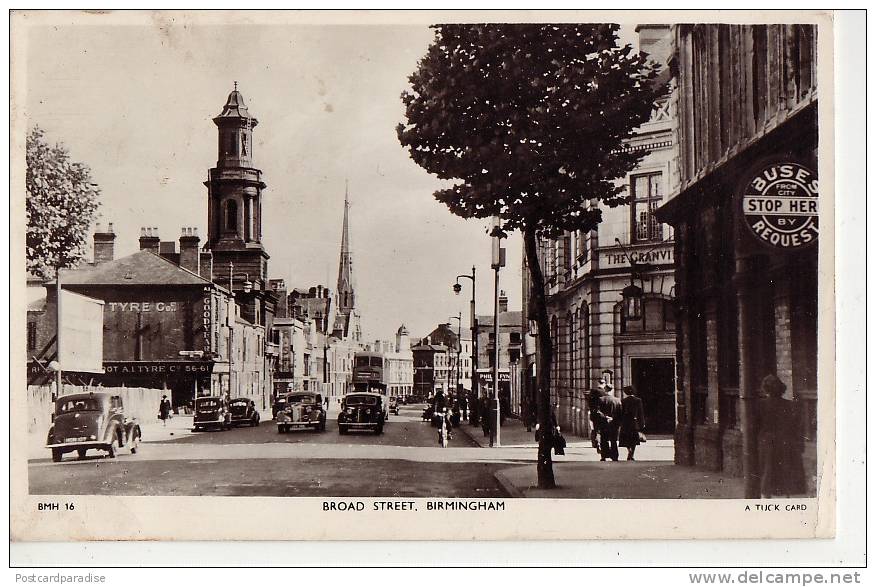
(370, 372)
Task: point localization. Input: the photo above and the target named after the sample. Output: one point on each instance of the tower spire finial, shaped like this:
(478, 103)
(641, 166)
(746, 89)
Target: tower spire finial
(235, 85)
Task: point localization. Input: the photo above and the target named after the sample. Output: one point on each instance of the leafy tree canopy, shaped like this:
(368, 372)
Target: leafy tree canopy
(531, 118)
(61, 204)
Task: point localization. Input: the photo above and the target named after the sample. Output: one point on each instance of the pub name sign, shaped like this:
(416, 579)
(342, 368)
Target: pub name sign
(616, 259)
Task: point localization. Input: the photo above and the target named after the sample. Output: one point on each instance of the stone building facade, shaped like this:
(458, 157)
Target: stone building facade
(746, 223)
(586, 273)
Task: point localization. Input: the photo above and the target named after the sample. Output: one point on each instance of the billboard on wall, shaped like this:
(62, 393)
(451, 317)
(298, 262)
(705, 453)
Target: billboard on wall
(81, 333)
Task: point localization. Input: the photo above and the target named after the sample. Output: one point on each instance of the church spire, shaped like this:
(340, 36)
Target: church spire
(346, 295)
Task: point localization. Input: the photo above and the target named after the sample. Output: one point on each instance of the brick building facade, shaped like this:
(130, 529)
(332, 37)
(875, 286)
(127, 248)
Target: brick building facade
(747, 274)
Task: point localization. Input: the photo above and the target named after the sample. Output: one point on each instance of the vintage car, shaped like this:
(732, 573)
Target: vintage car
(393, 405)
(243, 411)
(303, 409)
(211, 412)
(361, 411)
(91, 420)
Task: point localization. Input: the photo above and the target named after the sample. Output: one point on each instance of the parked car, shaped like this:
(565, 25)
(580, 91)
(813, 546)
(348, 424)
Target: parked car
(361, 411)
(94, 420)
(393, 405)
(211, 412)
(303, 409)
(243, 411)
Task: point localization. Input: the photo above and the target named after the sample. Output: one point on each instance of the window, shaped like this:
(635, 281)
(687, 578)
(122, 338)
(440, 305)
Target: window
(646, 195)
(231, 215)
(515, 338)
(658, 316)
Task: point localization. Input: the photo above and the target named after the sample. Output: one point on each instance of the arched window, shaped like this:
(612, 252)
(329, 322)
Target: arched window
(231, 215)
(571, 355)
(583, 347)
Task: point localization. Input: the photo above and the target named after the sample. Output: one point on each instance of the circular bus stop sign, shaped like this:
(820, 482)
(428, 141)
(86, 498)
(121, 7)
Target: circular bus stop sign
(780, 205)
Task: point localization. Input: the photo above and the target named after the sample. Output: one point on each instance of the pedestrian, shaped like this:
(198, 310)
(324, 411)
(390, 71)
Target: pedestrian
(164, 410)
(610, 411)
(595, 416)
(632, 421)
(779, 442)
(486, 421)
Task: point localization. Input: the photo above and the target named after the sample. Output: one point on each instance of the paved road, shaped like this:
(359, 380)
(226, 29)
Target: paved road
(404, 461)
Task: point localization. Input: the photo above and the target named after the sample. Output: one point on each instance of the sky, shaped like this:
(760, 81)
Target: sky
(136, 104)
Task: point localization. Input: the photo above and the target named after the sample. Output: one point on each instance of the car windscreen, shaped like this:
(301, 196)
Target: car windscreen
(362, 361)
(86, 404)
(238, 403)
(301, 399)
(361, 400)
(376, 362)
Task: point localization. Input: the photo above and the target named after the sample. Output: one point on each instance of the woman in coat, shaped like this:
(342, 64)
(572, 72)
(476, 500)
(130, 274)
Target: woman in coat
(164, 409)
(779, 442)
(632, 421)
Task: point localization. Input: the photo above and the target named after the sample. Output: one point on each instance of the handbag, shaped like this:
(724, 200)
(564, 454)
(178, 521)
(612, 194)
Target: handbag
(642, 437)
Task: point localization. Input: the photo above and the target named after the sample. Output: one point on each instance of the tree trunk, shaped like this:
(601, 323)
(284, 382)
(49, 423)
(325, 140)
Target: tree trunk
(545, 357)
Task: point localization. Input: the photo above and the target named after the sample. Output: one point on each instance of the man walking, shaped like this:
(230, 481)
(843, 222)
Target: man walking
(610, 411)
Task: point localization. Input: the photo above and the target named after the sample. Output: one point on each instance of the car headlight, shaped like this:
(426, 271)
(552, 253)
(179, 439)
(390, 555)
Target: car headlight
(92, 437)
(349, 411)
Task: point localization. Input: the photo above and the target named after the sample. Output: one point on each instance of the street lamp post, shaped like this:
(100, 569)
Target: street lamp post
(475, 396)
(498, 261)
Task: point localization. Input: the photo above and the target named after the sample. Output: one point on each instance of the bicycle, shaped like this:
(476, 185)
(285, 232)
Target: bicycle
(443, 433)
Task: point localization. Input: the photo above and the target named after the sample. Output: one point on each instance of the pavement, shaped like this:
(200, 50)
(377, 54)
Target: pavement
(579, 474)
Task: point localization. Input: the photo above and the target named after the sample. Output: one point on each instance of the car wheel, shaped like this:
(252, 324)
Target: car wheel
(379, 429)
(113, 447)
(81, 452)
(135, 442)
(342, 429)
(57, 455)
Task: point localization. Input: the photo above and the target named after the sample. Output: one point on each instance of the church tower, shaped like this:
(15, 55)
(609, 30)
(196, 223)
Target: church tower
(234, 217)
(234, 189)
(346, 317)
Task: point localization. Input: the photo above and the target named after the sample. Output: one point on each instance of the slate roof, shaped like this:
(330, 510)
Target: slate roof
(141, 268)
(513, 318)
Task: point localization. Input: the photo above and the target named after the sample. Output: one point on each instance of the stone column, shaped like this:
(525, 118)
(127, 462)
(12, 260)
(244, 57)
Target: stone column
(250, 217)
(746, 279)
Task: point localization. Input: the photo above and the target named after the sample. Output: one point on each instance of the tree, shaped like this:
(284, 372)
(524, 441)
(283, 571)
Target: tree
(530, 121)
(61, 205)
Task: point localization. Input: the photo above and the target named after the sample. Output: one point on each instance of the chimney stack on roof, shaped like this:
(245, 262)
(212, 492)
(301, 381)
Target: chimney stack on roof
(149, 240)
(206, 268)
(104, 243)
(189, 253)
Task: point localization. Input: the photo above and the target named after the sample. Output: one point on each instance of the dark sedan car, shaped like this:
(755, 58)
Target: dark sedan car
(361, 411)
(93, 420)
(211, 412)
(243, 411)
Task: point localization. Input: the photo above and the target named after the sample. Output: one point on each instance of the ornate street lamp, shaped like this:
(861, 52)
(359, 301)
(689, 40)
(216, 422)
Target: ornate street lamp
(632, 295)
